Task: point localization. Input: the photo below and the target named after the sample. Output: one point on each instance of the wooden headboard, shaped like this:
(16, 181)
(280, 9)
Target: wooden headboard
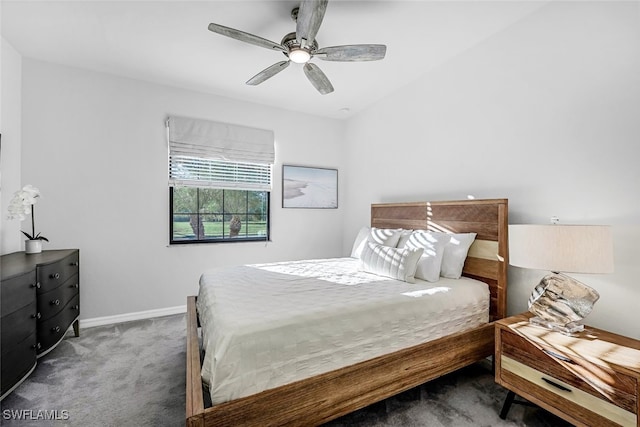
(488, 257)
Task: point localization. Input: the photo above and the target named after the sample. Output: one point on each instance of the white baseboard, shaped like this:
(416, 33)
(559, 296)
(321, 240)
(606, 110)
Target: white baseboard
(127, 317)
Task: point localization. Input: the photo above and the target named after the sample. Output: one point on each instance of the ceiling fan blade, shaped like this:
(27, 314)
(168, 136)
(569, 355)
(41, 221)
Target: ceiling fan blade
(245, 37)
(353, 52)
(309, 18)
(317, 78)
(267, 73)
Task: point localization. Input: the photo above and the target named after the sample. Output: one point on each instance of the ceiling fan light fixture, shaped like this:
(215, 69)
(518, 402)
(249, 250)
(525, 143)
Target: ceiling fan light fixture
(299, 56)
(301, 45)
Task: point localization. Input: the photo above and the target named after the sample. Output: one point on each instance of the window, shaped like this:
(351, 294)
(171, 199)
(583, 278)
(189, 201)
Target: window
(214, 214)
(219, 181)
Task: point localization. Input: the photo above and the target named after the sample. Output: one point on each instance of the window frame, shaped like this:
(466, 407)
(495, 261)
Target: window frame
(266, 238)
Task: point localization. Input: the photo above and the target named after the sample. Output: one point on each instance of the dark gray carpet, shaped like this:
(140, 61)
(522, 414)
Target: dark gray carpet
(129, 374)
(133, 374)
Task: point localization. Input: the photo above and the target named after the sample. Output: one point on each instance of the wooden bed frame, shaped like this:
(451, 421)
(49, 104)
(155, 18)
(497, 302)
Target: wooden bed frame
(327, 396)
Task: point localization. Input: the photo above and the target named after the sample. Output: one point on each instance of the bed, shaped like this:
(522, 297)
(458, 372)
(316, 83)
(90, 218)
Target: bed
(331, 393)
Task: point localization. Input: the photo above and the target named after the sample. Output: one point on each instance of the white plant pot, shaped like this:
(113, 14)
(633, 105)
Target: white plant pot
(33, 246)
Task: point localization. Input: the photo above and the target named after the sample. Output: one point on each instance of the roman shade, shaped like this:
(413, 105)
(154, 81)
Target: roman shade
(204, 153)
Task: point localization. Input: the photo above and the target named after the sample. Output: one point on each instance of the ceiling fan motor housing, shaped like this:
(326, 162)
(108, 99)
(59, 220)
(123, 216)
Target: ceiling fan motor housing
(289, 41)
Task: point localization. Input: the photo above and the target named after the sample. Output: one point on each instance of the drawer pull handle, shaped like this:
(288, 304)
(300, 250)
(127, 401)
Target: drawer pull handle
(75, 307)
(559, 356)
(74, 264)
(56, 329)
(563, 388)
(55, 302)
(35, 316)
(74, 286)
(55, 276)
(35, 285)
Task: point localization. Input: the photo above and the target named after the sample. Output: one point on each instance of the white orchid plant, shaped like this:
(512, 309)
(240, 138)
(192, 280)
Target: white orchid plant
(22, 205)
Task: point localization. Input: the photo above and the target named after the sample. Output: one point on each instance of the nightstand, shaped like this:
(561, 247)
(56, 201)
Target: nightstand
(591, 379)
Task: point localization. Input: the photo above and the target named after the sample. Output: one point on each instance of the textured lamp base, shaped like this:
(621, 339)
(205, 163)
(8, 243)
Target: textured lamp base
(568, 329)
(561, 302)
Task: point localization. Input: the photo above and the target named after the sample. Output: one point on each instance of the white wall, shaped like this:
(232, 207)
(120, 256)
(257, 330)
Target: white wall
(10, 127)
(545, 114)
(95, 145)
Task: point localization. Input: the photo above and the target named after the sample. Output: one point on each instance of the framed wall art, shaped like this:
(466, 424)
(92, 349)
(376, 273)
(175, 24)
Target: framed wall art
(310, 188)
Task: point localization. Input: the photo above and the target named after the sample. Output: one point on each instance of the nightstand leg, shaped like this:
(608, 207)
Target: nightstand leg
(507, 404)
(76, 327)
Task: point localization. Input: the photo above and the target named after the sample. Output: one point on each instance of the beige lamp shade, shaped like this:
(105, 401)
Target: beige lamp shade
(562, 248)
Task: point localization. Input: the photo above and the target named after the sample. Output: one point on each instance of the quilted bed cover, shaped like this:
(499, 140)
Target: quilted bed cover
(267, 325)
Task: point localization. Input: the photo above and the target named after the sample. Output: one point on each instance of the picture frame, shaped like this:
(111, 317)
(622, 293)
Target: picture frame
(307, 187)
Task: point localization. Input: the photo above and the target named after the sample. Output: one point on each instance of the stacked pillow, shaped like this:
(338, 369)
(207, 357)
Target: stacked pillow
(382, 236)
(399, 264)
(405, 254)
(433, 246)
(455, 252)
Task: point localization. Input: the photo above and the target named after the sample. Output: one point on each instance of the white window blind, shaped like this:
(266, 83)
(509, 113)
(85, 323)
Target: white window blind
(203, 153)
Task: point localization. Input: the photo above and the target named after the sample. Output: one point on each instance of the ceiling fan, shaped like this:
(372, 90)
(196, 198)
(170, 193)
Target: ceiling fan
(301, 45)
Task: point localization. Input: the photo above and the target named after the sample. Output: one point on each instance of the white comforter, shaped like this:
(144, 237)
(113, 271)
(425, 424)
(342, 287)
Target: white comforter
(271, 324)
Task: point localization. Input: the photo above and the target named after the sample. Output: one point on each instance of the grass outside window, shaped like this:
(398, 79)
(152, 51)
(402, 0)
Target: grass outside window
(218, 215)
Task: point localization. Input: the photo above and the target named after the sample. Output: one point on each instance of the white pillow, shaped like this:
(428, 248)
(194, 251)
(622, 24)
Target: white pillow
(433, 249)
(395, 263)
(385, 236)
(405, 235)
(382, 236)
(455, 253)
(360, 241)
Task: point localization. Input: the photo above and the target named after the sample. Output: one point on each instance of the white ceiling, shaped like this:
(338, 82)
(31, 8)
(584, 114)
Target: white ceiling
(167, 42)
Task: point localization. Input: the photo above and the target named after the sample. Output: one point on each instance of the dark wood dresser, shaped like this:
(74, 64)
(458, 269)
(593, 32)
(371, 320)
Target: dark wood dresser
(40, 301)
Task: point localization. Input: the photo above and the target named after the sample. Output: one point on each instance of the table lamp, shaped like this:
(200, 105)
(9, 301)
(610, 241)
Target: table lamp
(560, 302)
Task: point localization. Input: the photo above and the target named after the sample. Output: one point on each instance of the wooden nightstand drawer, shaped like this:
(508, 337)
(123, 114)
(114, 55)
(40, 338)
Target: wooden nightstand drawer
(591, 409)
(587, 376)
(590, 379)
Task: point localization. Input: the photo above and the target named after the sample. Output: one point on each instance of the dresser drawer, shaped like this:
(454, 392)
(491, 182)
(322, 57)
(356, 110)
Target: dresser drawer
(52, 302)
(17, 362)
(17, 292)
(52, 330)
(53, 275)
(17, 326)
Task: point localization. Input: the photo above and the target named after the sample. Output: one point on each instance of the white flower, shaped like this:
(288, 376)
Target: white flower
(20, 205)
(30, 193)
